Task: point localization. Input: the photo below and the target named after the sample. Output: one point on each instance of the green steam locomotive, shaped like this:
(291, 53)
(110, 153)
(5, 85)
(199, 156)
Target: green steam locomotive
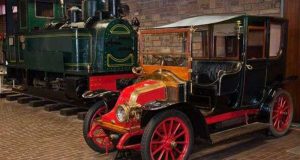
(70, 46)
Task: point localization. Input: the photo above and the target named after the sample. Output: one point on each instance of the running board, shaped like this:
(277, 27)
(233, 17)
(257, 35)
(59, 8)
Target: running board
(238, 131)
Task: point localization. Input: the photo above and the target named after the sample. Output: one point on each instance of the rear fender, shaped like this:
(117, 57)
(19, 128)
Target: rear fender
(271, 90)
(195, 116)
(280, 83)
(265, 108)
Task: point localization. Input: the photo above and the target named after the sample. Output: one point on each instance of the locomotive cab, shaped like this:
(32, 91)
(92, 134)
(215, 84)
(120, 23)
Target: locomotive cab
(71, 48)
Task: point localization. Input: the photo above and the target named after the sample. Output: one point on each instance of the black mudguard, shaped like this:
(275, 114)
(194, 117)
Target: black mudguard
(196, 117)
(109, 97)
(270, 93)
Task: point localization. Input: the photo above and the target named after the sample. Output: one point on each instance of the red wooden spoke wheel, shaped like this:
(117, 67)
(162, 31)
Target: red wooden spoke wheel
(94, 135)
(169, 135)
(281, 113)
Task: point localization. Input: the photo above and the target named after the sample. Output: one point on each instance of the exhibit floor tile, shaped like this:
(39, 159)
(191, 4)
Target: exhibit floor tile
(32, 133)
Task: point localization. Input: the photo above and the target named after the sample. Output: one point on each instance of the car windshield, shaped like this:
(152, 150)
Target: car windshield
(167, 49)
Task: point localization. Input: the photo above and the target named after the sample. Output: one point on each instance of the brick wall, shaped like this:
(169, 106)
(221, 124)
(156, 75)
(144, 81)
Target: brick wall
(158, 12)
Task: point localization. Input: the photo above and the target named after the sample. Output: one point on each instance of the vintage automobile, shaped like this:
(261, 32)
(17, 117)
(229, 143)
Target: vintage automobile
(209, 77)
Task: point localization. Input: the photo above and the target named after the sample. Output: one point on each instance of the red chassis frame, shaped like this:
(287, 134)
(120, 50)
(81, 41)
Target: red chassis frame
(107, 82)
(209, 120)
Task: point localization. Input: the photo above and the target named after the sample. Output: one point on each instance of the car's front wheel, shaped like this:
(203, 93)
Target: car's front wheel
(168, 135)
(94, 135)
(281, 113)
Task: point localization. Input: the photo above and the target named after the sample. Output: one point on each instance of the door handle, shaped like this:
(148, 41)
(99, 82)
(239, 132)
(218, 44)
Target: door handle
(249, 67)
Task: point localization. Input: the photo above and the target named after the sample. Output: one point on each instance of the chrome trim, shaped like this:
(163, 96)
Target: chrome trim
(237, 70)
(282, 8)
(157, 105)
(223, 73)
(126, 115)
(94, 94)
(249, 67)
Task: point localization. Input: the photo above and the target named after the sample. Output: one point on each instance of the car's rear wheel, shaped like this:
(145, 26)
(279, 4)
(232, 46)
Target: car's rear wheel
(281, 113)
(168, 135)
(94, 135)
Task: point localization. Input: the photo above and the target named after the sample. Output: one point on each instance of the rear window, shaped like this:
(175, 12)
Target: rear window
(275, 40)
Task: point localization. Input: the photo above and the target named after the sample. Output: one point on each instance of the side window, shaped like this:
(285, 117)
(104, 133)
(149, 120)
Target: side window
(256, 42)
(200, 44)
(226, 43)
(275, 40)
(44, 8)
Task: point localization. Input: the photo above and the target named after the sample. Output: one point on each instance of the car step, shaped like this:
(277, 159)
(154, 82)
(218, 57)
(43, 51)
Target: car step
(234, 132)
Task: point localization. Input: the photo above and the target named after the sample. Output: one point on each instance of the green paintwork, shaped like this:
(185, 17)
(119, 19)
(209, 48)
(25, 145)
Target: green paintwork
(111, 46)
(32, 21)
(53, 51)
(12, 47)
(118, 46)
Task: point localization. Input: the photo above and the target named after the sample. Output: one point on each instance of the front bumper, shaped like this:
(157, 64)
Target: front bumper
(117, 128)
(126, 135)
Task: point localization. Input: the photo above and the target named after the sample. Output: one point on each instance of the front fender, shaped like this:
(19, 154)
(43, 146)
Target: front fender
(109, 97)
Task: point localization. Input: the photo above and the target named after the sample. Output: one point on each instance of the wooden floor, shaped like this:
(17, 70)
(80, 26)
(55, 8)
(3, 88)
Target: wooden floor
(32, 133)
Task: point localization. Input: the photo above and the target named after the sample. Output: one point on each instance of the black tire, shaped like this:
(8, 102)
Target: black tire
(156, 122)
(273, 130)
(87, 125)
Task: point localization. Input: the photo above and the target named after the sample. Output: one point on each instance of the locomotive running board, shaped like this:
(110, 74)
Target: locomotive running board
(234, 132)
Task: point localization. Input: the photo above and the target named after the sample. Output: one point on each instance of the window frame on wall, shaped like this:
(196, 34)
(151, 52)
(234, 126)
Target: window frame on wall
(43, 1)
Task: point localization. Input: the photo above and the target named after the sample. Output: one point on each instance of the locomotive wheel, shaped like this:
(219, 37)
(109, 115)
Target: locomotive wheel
(94, 135)
(168, 135)
(281, 113)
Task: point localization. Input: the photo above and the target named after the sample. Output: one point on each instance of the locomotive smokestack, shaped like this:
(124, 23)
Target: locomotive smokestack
(89, 8)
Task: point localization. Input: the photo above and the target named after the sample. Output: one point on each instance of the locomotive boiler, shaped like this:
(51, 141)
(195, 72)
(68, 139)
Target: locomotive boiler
(70, 47)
